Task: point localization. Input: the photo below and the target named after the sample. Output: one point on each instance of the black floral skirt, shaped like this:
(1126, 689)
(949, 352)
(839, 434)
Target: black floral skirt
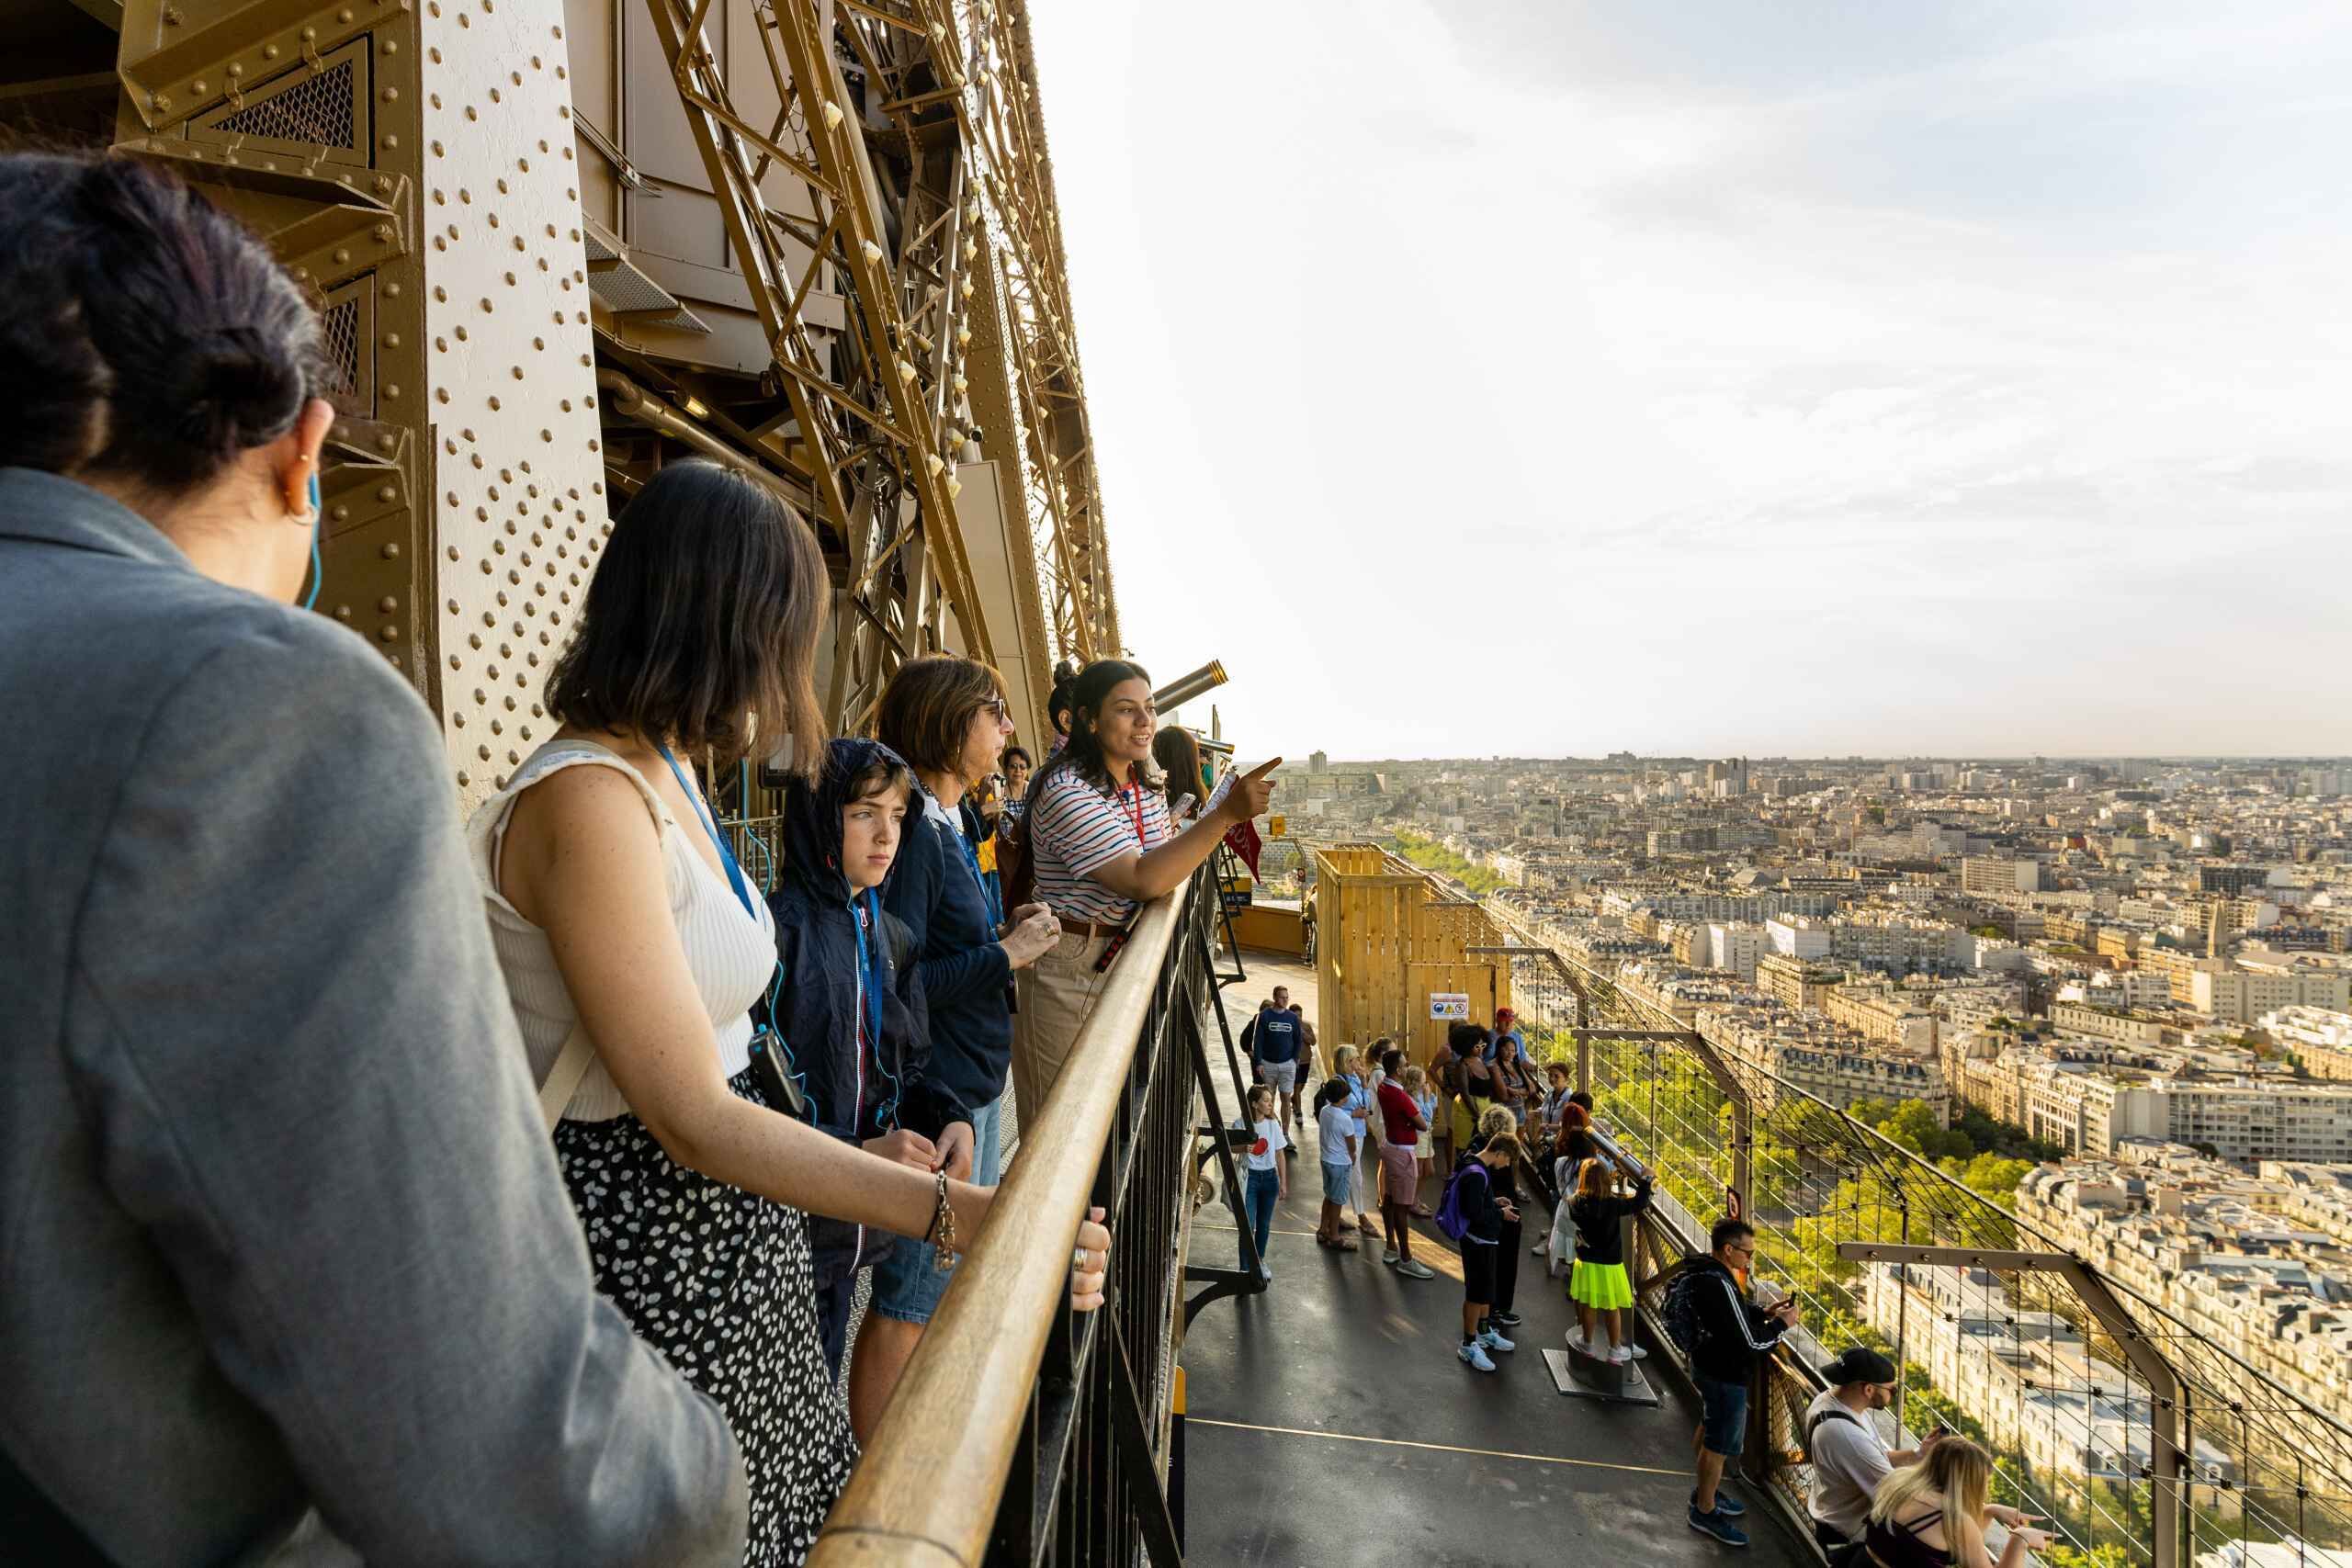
(719, 1281)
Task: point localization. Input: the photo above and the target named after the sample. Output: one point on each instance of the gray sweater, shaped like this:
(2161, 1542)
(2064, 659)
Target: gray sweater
(280, 1230)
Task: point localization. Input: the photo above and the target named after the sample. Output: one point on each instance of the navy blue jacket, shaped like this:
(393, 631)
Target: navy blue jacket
(1276, 1036)
(853, 1094)
(965, 973)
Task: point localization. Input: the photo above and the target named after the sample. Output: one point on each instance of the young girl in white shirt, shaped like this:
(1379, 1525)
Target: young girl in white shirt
(1268, 1178)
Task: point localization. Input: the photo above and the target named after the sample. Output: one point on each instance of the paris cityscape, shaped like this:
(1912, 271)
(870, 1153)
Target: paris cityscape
(2111, 995)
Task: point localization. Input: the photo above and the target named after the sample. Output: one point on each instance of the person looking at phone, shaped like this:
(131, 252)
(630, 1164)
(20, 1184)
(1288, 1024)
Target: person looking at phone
(1735, 1335)
(1932, 1514)
(1849, 1457)
(1099, 845)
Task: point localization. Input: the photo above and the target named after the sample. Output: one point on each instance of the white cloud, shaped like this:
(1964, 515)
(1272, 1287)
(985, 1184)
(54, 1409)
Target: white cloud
(1542, 378)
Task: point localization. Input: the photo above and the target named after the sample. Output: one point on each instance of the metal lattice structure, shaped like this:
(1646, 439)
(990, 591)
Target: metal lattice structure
(903, 156)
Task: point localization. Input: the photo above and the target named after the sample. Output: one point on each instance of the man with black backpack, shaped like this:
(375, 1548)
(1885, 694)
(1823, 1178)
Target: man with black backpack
(1711, 1317)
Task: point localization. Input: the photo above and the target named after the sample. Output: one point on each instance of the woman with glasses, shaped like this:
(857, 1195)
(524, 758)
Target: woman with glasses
(1098, 844)
(946, 715)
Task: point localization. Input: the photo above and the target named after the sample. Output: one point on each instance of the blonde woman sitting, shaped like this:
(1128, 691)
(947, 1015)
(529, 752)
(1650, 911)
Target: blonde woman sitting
(1932, 1514)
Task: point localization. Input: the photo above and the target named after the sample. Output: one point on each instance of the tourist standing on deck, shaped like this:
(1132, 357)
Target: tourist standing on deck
(1276, 1036)
(1015, 765)
(1400, 1122)
(1335, 1136)
(1735, 1335)
(1098, 844)
(1268, 1178)
(1484, 1213)
(1183, 776)
(947, 716)
(1496, 1120)
(280, 1236)
(620, 915)
(1598, 1285)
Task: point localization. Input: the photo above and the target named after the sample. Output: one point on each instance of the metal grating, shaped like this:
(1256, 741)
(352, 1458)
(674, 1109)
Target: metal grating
(339, 325)
(315, 109)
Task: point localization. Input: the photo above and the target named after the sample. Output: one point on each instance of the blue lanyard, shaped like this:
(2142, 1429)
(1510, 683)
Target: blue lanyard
(988, 894)
(702, 815)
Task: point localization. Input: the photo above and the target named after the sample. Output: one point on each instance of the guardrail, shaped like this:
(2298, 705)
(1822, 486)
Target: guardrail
(1023, 1433)
(2145, 1442)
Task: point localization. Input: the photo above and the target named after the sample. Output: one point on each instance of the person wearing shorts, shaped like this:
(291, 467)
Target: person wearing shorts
(1400, 1124)
(1736, 1334)
(1275, 1035)
(1335, 1135)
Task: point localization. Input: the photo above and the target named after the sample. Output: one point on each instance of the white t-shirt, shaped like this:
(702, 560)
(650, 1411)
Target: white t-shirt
(1334, 1127)
(1848, 1461)
(1270, 1145)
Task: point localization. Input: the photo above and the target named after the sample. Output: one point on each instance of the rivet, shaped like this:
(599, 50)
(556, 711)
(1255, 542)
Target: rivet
(236, 70)
(453, 552)
(341, 513)
(392, 390)
(343, 612)
(389, 634)
(391, 551)
(197, 86)
(387, 605)
(391, 94)
(383, 233)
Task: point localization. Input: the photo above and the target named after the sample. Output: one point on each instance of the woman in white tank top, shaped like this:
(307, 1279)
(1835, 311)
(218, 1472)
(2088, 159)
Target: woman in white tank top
(616, 907)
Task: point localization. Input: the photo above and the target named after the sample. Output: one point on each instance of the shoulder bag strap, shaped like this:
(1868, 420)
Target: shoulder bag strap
(563, 1078)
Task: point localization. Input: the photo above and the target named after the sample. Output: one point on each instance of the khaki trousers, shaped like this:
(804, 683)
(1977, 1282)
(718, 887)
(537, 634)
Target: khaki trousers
(1056, 993)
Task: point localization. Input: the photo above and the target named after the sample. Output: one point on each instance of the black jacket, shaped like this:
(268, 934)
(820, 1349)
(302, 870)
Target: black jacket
(1737, 1331)
(966, 975)
(853, 1094)
(1601, 1235)
(1481, 1204)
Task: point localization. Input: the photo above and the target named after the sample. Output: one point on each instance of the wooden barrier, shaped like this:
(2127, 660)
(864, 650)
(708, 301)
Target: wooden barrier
(1387, 938)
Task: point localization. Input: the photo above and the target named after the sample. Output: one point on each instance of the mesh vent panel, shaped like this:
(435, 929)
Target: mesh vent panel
(340, 326)
(316, 109)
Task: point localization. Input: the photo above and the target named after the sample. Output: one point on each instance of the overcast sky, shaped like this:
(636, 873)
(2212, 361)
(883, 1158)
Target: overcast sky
(1544, 378)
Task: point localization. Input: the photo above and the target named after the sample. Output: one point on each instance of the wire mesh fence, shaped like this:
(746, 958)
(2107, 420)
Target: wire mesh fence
(2137, 1438)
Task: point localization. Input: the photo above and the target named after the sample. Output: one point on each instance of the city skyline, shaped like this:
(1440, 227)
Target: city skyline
(1590, 377)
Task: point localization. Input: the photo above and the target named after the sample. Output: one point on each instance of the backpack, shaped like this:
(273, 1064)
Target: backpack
(1813, 1426)
(1453, 1222)
(1683, 1323)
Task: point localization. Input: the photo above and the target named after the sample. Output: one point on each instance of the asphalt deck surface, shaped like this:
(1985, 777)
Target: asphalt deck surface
(1332, 1424)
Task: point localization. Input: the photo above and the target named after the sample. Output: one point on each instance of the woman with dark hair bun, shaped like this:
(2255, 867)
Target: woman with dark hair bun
(1098, 844)
(1183, 776)
(279, 1237)
(635, 949)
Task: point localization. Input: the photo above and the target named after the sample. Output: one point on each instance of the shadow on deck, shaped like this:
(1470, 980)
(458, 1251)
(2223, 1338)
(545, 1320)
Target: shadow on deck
(1332, 1424)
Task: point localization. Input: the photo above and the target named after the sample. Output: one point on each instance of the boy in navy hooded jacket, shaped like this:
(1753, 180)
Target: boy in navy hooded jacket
(849, 1007)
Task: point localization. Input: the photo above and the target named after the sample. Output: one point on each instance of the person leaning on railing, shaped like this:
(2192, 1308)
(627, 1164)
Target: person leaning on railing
(1932, 1514)
(947, 716)
(280, 1237)
(618, 912)
(1098, 844)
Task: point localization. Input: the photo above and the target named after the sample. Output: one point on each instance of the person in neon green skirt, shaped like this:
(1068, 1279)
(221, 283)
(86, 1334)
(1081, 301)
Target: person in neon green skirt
(1598, 1285)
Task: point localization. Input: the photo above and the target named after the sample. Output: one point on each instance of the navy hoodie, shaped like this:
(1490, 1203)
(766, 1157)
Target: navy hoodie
(855, 1090)
(964, 972)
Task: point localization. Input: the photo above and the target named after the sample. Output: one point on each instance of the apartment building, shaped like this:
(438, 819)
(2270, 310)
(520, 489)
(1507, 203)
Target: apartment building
(1809, 1052)
(1884, 1016)
(1794, 983)
(2321, 1039)
(2239, 995)
(1994, 876)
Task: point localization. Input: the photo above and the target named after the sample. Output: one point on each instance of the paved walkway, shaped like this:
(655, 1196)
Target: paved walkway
(1332, 1426)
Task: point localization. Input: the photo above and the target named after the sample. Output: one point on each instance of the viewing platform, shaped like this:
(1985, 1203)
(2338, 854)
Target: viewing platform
(1331, 1422)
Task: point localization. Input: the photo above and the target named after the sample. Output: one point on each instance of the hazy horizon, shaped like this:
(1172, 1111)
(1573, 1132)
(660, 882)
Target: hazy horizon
(1792, 375)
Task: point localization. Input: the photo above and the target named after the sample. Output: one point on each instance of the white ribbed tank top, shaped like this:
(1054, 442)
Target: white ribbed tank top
(730, 955)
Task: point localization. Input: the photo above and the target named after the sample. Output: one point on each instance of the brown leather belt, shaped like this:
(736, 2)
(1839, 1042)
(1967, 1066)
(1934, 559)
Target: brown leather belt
(1089, 928)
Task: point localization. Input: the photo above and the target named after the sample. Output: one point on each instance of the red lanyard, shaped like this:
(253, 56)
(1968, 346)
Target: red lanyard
(1141, 842)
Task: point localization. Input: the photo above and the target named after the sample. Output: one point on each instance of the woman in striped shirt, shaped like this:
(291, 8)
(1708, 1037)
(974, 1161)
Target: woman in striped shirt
(1099, 841)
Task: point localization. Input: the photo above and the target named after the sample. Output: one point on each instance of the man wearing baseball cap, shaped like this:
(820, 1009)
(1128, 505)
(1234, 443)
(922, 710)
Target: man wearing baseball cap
(1850, 1458)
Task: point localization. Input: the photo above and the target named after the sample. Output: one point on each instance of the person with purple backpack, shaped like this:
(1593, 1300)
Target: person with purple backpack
(1475, 1216)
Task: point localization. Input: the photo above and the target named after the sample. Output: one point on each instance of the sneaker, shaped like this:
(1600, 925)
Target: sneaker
(1508, 1319)
(1636, 1352)
(1493, 1341)
(1718, 1526)
(1476, 1356)
(1539, 1249)
(1264, 1273)
(1726, 1505)
(1619, 1355)
(1579, 1346)
(1414, 1269)
(1388, 1256)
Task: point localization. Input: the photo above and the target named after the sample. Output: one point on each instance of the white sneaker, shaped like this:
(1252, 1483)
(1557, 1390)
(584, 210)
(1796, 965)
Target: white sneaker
(1264, 1273)
(1581, 1347)
(1619, 1355)
(1539, 1249)
(1476, 1354)
(1635, 1352)
(1492, 1339)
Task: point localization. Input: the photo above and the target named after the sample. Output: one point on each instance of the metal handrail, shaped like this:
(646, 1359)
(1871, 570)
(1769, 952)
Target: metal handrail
(927, 1490)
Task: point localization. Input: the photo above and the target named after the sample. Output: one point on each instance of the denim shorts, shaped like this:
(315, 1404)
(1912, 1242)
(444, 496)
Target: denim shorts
(1335, 1181)
(1723, 1419)
(907, 1283)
